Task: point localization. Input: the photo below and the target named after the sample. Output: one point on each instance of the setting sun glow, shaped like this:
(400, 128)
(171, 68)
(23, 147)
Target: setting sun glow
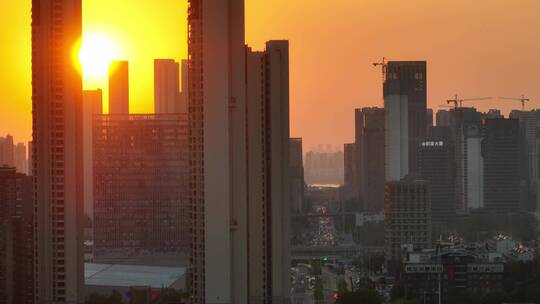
(95, 55)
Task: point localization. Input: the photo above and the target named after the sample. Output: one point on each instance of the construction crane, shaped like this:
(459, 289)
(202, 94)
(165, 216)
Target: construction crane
(383, 64)
(523, 100)
(458, 103)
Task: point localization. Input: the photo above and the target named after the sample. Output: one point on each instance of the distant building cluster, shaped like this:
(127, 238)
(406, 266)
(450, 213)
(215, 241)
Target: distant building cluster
(14, 155)
(468, 163)
(324, 167)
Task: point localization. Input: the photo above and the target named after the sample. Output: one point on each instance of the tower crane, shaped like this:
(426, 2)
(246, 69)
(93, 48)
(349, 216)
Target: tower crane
(458, 103)
(383, 64)
(523, 100)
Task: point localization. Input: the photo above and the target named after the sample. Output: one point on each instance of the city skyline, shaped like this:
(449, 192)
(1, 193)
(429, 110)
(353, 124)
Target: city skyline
(459, 60)
(224, 152)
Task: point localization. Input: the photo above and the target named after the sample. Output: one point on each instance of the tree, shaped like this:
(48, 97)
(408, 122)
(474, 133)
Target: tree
(318, 290)
(342, 287)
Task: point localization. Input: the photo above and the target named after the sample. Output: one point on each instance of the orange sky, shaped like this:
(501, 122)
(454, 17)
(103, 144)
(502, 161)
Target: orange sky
(473, 48)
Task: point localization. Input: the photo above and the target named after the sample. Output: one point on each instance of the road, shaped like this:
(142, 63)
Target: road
(325, 235)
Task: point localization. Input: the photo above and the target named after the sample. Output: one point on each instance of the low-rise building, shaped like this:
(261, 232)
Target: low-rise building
(447, 272)
(106, 278)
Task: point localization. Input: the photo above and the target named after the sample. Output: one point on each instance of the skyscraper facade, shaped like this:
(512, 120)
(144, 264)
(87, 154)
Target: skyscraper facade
(442, 118)
(92, 105)
(396, 137)
(349, 167)
(16, 238)
(437, 166)
(7, 151)
(140, 187)
(166, 86)
(501, 165)
(239, 156)
(57, 151)
(19, 158)
(119, 87)
(219, 252)
(297, 175)
(407, 216)
(370, 154)
(429, 119)
(269, 173)
(30, 166)
(529, 124)
(409, 79)
(184, 94)
(466, 134)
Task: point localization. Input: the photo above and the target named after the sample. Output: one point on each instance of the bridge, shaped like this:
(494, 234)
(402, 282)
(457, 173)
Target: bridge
(332, 252)
(332, 214)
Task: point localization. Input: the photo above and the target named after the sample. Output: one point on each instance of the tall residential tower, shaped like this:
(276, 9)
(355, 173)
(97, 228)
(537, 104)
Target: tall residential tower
(239, 128)
(57, 151)
(167, 96)
(217, 88)
(119, 87)
(268, 163)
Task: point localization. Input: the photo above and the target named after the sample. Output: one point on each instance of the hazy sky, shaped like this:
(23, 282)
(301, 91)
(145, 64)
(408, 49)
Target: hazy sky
(473, 48)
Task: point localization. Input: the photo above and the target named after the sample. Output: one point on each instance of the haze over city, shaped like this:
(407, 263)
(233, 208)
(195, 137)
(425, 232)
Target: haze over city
(269, 152)
(473, 48)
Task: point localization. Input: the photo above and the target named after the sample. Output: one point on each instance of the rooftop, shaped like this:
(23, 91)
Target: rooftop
(131, 275)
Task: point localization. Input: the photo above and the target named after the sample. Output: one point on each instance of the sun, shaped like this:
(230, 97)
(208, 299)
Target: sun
(96, 53)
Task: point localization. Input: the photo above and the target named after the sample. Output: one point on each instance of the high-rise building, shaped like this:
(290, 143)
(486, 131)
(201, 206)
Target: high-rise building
(16, 238)
(465, 125)
(407, 216)
(240, 175)
(92, 105)
(472, 161)
(7, 151)
(140, 184)
(297, 175)
(167, 97)
(19, 158)
(406, 82)
(57, 151)
(396, 137)
(119, 87)
(529, 124)
(442, 118)
(324, 167)
(429, 120)
(437, 166)
(269, 172)
(492, 114)
(501, 165)
(370, 156)
(349, 166)
(30, 166)
(184, 100)
(217, 108)
(466, 134)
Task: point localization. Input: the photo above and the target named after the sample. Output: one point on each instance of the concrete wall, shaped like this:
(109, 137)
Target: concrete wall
(397, 136)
